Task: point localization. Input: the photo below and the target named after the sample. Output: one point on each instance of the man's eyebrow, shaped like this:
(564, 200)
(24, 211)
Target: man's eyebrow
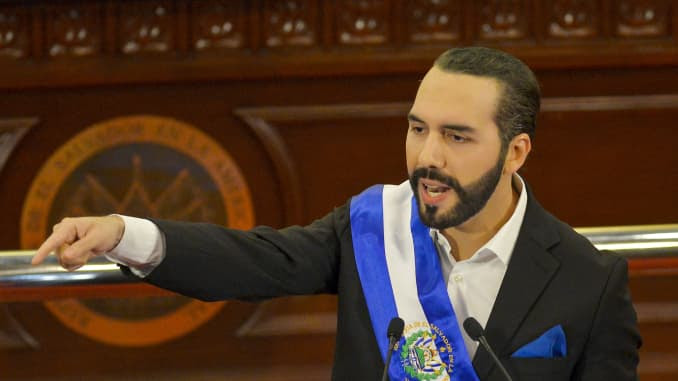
(413, 118)
(456, 127)
(459, 128)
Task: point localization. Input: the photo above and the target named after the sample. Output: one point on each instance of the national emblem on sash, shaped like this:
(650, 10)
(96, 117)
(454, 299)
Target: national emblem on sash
(421, 358)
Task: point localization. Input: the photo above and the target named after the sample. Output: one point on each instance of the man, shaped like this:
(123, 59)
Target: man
(463, 238)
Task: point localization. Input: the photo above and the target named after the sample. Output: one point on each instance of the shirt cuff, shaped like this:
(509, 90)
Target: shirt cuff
(141, 248)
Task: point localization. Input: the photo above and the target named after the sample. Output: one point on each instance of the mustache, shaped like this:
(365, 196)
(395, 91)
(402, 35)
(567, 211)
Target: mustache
(436, 175)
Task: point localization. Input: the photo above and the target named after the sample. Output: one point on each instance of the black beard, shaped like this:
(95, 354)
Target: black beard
(472, 198)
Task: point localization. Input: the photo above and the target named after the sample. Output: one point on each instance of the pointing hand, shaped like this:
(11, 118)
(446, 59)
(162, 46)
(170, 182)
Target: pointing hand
(77, 240)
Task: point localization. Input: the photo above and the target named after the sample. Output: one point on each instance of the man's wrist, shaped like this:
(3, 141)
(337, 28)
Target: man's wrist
(141, 246)
(120, 228)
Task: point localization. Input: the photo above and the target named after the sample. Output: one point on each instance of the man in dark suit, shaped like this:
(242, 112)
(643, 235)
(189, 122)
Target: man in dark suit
(553, 306)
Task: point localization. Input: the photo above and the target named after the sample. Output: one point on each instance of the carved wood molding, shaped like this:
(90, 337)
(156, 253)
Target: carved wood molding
(13, 335)
(11, 132)
(277, 318)
(664, 363)
(227, 36)
(649, 313)
(611, 103)
(261, 372)
(79, 28)
(325, 112)
(285, 168)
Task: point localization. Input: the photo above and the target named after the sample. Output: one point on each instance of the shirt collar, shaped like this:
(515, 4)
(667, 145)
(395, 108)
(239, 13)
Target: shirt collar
(503, 242)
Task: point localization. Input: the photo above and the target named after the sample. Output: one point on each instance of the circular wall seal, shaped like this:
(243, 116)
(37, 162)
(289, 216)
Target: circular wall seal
(146, 166)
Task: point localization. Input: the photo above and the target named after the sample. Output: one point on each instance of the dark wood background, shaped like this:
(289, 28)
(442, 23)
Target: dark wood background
(310, 98)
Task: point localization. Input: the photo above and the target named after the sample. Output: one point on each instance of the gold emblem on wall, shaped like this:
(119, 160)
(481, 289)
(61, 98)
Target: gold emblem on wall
(144, 166)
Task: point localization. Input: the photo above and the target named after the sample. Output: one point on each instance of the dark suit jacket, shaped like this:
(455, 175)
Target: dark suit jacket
(555, 276)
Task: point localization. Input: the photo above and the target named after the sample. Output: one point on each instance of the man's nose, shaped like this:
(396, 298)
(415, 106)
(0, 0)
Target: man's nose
(432, 154)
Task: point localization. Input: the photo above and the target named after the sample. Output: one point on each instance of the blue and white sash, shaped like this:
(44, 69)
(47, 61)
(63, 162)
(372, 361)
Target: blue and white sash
(400, 275)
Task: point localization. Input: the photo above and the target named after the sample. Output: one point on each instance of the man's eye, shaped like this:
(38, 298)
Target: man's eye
(456, 138)
(417, 129)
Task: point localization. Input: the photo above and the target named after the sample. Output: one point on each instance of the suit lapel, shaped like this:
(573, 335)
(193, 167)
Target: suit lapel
(529, 272)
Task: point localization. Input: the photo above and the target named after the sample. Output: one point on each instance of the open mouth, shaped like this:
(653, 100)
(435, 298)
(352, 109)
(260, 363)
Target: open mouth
(433, 192)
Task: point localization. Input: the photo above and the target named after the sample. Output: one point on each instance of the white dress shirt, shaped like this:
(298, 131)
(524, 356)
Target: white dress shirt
(472, 284)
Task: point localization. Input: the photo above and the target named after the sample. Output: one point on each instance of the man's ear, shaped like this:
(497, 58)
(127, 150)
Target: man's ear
(518, 149)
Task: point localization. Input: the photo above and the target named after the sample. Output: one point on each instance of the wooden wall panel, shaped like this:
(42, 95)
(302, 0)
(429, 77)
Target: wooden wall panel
(627, 142)
(214, 346)
(11, 132)
(309, 97)
(655, 302)
(628, 146)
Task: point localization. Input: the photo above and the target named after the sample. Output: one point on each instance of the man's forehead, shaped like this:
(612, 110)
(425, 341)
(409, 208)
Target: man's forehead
(457, 95)
(439, 78)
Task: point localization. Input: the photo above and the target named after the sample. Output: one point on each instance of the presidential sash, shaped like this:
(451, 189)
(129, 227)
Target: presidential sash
(400, 274)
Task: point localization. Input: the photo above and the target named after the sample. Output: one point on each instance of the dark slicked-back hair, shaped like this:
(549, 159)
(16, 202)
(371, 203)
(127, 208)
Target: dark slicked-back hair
(520, 97)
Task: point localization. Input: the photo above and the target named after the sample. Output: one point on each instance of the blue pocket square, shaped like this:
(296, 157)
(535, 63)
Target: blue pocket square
(551, 344)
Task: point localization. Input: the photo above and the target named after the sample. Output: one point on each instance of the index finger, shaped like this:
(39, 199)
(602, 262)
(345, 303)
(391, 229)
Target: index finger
(53, 242)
